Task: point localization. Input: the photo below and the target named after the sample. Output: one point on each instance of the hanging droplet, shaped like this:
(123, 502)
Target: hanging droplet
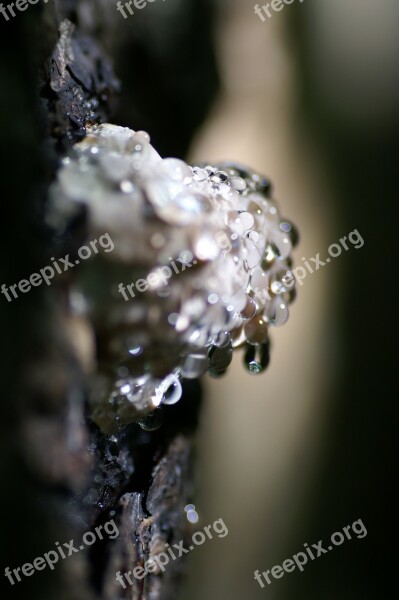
(252, 255)
(152, 421)
(256, 330)
(256, 206)
(238, 337)
(259, 279)
(269, 256)
(277, 312)
(239, 301)
(257, 358)
(281, 245)
(254, 236)
(249, 310)
(170, 389)
(223, 339)
(281, 282)
(220, 358)
(291, 231)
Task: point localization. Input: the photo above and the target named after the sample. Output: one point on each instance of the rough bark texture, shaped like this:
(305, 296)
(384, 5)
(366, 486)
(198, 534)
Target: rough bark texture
(63, 476)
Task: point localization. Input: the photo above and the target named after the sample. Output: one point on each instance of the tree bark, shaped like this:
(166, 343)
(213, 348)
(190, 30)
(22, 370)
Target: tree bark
(62, 476)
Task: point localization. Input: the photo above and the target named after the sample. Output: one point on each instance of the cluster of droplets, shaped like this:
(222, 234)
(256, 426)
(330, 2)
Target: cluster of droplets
(227, 254)
(257, 263)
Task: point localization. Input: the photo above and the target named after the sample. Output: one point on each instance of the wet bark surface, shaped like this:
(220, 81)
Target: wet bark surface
(61, 475)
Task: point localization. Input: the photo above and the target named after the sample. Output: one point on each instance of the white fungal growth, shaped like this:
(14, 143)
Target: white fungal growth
(199, 266)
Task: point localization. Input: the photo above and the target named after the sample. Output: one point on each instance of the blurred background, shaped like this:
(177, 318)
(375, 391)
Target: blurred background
(309, 97)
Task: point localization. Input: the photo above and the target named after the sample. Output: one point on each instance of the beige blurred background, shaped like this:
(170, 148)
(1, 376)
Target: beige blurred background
(262, 436)
(257, 450)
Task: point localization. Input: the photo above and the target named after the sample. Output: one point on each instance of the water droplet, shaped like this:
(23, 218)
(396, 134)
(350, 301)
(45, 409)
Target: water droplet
(152, 421)
(256, 330)
(220, 358)
(199, 174)
(259, 279)
(249, 310)
(194, 366)
(239, 301)
(176, 169)
(223, 339)
(172, 318)
(142, 137)
(252, 254)
(277, 312)
(238, 337)
(213, 298)
(192, 516)
(185, 257)
(170, 389)
(136, 351)
(238, 183)
(126, 186)
(281, 245)
(257, 358)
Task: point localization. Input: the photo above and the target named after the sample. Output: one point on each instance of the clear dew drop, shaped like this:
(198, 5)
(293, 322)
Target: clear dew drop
(153, 421)
(277, 312)
(170, 389)
(259, 279)
(252, 256)
(238, 337)
(256, 330)
(256, 358)
(249, 310)
(238, 183)
(220, 358)
(223, 339)
(176, 169)
(200, 174)
(194, 366)
(281, 245)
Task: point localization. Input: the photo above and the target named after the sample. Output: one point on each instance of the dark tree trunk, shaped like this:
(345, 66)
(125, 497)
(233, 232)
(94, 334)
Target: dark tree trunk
(61, 476)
